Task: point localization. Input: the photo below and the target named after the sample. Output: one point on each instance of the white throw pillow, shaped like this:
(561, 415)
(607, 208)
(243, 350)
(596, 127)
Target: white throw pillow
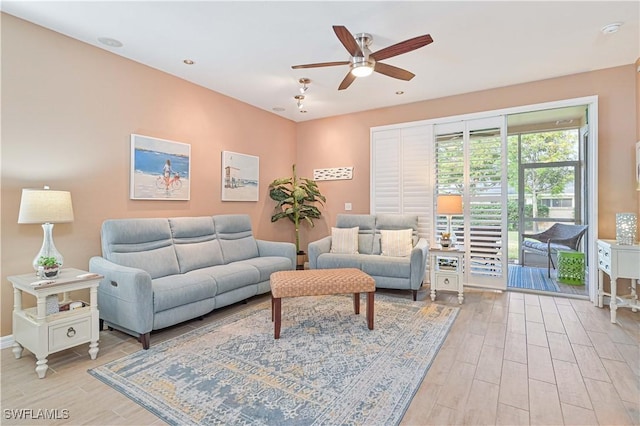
(396, 243)
(344, 240)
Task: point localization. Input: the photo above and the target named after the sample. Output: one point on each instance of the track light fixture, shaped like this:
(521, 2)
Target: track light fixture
(304, 82)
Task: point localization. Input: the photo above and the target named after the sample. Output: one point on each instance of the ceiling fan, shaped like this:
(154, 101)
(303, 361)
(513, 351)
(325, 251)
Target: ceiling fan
(363, 62)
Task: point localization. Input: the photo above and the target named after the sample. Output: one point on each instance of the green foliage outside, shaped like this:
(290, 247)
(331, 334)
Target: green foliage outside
(513, 216)
(536, 148)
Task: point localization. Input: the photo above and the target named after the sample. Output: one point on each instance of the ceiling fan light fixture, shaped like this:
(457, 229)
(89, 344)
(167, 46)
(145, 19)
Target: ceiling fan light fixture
(362, 70)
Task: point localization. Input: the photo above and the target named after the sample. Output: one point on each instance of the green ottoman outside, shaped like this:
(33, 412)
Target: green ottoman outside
(571, 267)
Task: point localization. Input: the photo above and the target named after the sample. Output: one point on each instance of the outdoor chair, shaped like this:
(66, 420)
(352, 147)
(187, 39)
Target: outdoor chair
(559, 237)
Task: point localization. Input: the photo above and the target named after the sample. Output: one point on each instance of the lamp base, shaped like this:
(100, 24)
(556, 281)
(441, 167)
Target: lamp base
(48, 248)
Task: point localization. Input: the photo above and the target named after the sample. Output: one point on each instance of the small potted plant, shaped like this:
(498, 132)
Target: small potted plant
(50, 266)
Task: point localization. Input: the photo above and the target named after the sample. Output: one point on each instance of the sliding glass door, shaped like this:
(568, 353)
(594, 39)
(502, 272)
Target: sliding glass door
(470, 159)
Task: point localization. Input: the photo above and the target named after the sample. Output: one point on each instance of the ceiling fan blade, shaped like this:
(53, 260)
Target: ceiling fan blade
(402, 47)
(321, 64)
(349, 78)
(392, 71)
(347, 40)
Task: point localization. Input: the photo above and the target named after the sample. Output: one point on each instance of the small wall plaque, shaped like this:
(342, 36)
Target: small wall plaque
(335, 173)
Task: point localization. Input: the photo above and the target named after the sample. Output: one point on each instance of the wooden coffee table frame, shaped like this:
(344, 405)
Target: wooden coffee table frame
(325, 282)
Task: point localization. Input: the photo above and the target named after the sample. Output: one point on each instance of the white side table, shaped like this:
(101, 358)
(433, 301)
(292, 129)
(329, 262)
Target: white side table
(618, 261)
(44, 334)
(447, 273)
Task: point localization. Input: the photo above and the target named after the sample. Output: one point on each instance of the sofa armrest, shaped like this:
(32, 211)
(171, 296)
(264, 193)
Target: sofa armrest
(278, 248)
(316, 248)
(125, 295)
(419, 255)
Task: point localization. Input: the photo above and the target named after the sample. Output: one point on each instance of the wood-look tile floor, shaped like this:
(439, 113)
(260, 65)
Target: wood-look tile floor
(510, 359)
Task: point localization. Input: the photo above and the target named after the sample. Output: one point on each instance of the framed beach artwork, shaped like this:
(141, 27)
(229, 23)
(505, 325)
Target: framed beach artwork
(160, 169)
(240, 176)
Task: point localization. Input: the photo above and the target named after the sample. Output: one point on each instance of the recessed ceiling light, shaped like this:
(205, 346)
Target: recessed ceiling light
(303, 111)
(278, 109)
(111, 42)
(399, 92)
(188, 62)
(611, 28)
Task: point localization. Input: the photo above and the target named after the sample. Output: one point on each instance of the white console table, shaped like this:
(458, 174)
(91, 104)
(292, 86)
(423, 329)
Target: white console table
(618, 261)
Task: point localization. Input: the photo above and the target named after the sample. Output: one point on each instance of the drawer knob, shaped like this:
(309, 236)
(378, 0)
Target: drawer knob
(446, 280)
(71, 332)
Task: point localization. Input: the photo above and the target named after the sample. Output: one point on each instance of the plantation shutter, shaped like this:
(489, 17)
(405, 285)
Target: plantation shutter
(400, 164)
(470, 159)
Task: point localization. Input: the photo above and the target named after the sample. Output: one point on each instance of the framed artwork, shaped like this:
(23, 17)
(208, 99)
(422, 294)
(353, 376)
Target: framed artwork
(160, 169)
(240, 176)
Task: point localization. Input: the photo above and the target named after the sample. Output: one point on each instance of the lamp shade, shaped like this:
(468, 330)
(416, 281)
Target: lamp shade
(449, 204)
(45, 206)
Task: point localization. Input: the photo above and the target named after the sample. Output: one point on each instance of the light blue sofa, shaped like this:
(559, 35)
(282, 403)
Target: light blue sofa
(160, 272)
(389, 272)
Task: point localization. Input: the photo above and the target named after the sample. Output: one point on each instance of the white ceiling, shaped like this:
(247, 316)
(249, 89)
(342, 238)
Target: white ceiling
(246, 49)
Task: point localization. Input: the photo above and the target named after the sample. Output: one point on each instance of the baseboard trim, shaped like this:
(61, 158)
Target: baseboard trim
(6, 341)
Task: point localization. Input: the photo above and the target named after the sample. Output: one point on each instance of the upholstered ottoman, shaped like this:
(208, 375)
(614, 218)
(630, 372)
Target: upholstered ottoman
(317, 282)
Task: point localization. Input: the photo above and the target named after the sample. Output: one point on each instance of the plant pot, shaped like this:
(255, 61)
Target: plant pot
(301, 259)
(51, 272)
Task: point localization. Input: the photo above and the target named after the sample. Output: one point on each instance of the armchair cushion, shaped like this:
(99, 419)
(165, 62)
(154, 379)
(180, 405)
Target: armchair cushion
(344, 240)
(396, 243)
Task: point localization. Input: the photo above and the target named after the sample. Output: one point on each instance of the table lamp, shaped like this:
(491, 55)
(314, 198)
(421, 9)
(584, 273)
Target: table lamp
(449, 205)
(46, 207)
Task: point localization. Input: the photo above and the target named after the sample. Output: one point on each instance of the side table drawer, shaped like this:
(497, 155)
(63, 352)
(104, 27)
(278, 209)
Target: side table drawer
(447, 282)
(604, 259)
(70, 333)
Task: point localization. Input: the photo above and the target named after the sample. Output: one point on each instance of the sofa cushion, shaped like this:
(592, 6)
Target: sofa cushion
(267, 265)
(394, 222)
(386, 266)
(235, 237)
(366, 224)
(232, 276)
(331, 260)
(140, 243)
(344, 240)
(195, 242)
(396, 243)
(177, 290)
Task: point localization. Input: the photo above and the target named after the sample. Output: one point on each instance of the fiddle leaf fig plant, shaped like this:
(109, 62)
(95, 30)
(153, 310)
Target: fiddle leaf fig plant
(296, 198)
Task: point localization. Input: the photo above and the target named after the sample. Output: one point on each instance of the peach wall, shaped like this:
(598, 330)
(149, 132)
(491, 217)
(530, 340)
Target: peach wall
(84, 102)
(68, 110)
(344, 140)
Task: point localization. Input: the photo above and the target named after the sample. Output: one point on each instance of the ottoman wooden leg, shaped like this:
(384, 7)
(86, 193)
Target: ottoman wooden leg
(356, 303)
(370, 299)
(277, 305)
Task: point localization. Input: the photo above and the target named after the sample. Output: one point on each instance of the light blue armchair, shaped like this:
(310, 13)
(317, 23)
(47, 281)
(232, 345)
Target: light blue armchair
(389, 272)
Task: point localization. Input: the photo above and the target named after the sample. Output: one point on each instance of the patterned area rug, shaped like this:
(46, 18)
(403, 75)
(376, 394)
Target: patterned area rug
(326, 368)
(531, 278)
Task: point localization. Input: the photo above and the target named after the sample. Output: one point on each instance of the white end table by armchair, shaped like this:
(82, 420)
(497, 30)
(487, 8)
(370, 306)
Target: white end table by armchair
(44, 334)
(447, 273)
